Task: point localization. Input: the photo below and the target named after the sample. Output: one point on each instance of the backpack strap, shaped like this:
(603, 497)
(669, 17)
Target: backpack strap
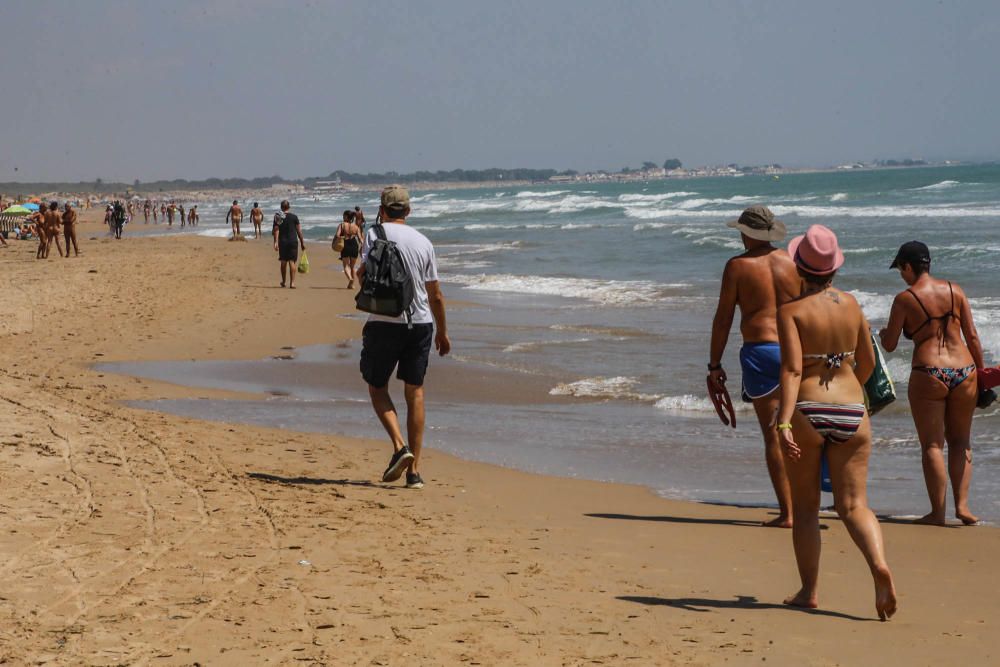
(380, 231)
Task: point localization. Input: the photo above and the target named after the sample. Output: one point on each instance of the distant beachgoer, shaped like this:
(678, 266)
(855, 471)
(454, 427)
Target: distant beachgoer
(257, 218)
(118, 219)
(163, 211)
(171, 211)
(826, 357)
(351, 233)
(193, 216)
(183, 215)
(287, 234)
(235, 215)
(943, 389)
(37, 220)
(155, 209)
(403, 343)
(69, 229)
(359, 219)
(757, 282)
(129, 209)
(52, 221)
(146, 206)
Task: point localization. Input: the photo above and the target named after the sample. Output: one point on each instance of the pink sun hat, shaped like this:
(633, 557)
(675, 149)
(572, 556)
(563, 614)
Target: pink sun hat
(817, 251)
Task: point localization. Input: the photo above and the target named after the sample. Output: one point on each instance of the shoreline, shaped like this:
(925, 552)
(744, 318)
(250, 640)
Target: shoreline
(204, 521)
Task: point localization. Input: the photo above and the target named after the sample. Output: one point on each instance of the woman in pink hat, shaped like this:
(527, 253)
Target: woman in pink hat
(826, 357)
(943, 391)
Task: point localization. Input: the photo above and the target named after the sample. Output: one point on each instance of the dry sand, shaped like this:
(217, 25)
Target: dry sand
(132, 537)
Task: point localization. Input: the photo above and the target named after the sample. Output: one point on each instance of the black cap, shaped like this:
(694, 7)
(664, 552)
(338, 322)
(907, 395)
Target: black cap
(911, 252)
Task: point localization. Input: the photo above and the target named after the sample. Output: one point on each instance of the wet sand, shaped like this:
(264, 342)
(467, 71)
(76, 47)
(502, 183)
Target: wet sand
(133, 537)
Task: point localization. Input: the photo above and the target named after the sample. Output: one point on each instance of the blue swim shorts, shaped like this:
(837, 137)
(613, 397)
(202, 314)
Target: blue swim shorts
(761, 363)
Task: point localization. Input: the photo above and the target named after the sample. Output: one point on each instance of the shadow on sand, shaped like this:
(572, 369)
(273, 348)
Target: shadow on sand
(311, 481)
(703, 605)
(682, 519)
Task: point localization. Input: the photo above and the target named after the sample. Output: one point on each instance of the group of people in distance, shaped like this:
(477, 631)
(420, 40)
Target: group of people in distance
(807, 353)
(47, 224)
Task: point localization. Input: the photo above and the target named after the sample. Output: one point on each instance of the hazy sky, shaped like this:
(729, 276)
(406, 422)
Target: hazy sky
(166, 89)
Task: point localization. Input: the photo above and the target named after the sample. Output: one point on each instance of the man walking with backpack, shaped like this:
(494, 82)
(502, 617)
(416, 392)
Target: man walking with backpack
(400, 342)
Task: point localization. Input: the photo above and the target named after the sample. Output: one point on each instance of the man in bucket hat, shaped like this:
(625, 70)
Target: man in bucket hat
(757, 282)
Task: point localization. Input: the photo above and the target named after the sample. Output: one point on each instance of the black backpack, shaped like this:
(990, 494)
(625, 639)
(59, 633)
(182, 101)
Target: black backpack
(387, 287)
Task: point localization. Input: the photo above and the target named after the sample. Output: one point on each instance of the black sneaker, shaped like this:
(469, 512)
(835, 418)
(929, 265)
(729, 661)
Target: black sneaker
(397, 464)
(414, 480)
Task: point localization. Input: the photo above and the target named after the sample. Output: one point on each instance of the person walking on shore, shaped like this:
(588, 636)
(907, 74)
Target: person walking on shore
(235, 216)
(757, 282)
(287, 234)
(943, 388)
(257, 218)
(403, 343)
(351, 235)
(69, 229)
(826, 357)
(193, 216)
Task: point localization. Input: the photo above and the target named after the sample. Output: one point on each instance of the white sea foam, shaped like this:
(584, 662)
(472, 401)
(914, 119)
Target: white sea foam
(605, 292)
(943, 185)
(526, 346)
(545, 193)
(621, 388)
(874, 306)
(690, 403)
(938, 211)
(839, 196)
(653, 199)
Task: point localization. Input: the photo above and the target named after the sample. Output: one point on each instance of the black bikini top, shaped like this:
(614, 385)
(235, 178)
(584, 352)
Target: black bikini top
(945, 319)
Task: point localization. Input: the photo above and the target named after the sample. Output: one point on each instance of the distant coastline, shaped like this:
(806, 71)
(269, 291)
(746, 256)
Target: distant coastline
(210, 188)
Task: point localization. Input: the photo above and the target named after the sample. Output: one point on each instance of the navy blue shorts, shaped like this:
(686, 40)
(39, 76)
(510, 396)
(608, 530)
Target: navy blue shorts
(761, 364)
(388, 345)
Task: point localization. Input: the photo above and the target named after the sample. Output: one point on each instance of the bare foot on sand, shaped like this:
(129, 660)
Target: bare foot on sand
(779, 522)
(930, 519)
(966, 517)
(803, 599)
(885, 595)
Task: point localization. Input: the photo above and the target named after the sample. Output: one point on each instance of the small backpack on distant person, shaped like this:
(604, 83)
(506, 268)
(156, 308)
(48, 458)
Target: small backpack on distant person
(387, 287)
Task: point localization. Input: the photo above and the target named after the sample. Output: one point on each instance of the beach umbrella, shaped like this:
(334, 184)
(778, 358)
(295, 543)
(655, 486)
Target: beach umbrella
(30, 206)
(16, 210)
(34, 200)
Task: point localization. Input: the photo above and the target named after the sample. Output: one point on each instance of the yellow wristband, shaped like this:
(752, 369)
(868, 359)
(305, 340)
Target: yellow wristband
(784, 427)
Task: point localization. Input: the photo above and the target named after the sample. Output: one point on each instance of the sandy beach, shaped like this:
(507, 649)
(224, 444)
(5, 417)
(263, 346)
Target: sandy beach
(138, 538)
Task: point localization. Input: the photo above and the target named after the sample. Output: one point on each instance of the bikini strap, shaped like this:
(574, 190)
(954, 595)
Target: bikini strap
(920, 303)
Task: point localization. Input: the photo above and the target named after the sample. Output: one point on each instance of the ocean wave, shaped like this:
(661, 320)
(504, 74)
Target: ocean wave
(691, 403)
(604, 292)
(529, 345)
(540, 193)
(939, 211)
(874, 306)
(839, 196)
(653, 199)
(616, 332)
(464, 249)
(943, 185)
(620, 388)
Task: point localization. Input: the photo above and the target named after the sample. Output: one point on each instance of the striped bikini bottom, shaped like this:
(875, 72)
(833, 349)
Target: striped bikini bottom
(834, 421)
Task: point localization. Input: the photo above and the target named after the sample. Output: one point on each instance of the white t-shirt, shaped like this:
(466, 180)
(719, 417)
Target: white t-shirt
(418, 255)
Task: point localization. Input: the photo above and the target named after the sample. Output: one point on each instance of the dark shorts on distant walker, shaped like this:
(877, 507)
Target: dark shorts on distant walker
(288, 252)
(351, 249)
(387, 344)
(761, 364)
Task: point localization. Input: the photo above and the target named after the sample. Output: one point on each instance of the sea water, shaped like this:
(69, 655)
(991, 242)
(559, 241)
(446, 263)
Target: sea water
(609, 290)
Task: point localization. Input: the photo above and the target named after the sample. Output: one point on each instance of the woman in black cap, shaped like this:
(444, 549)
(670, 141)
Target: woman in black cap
(936, 315)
